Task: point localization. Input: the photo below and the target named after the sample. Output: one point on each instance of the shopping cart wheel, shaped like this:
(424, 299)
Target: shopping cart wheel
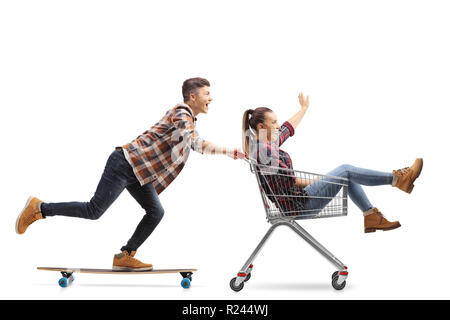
(335, 274)
(336, 285)
(234, 287)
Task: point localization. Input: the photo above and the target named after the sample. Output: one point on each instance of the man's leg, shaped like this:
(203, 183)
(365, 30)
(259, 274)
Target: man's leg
(116, 176)
(111, 185)
(147, 197)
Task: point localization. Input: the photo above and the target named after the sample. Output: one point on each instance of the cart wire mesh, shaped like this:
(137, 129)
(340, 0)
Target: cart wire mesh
(292, 194)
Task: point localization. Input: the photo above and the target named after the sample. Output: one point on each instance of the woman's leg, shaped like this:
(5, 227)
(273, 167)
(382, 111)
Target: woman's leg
(325, 189)
(373, 219)
(112, 183)
(365, 177)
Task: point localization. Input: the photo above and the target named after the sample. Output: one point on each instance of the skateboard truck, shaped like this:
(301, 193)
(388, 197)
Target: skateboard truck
(67, 279)
(187, 278)
(187, 275)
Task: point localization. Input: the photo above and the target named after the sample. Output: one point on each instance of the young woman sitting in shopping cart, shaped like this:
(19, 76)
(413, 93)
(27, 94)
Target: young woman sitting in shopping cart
(262, 138)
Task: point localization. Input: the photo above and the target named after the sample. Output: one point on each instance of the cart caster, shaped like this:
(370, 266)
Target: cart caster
(186, 282)
(334, 281)
(248, 277)
(336, 285)
(235, 287)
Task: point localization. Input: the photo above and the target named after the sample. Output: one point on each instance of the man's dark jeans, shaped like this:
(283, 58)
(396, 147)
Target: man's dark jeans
(117, 176)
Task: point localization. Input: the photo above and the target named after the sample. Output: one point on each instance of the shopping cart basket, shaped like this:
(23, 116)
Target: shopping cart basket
(286, 200)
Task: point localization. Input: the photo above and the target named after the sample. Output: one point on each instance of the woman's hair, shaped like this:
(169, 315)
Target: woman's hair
(251, 119)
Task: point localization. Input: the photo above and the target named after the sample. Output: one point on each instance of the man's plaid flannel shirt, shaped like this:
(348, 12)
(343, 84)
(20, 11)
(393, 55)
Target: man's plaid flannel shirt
(159, 154)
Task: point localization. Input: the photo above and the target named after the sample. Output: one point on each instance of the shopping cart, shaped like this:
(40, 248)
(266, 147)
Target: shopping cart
(286, 200)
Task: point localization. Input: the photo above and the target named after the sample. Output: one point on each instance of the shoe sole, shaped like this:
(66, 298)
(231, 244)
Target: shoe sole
(20, 215)
(411, 186)
(131, 269)
(369, 230)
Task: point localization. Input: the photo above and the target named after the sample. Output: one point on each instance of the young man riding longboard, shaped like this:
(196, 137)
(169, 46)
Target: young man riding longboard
(145, 167)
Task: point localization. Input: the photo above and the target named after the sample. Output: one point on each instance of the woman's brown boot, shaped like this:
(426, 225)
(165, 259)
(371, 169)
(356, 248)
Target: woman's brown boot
(374, 220)
(404, 178)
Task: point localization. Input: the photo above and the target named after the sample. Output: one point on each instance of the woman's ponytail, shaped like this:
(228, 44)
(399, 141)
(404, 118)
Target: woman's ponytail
(245, 128)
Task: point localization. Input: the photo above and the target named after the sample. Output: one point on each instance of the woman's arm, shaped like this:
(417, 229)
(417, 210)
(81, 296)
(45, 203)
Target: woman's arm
(302, 182)
(296, 118)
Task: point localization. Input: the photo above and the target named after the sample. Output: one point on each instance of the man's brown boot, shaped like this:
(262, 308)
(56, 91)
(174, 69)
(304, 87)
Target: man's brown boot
(126, 262)
(29, 214)
(404, 178)
(376, 221)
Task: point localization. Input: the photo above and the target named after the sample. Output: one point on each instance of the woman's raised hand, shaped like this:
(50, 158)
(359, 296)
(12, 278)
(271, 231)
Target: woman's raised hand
(298, 116)
(303, 102)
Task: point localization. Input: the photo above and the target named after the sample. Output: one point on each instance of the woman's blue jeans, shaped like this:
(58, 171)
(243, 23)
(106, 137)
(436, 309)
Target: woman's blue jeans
(356, 177)
(117, 176)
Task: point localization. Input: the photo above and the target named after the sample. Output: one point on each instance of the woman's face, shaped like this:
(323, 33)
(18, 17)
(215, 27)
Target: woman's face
(268, 131)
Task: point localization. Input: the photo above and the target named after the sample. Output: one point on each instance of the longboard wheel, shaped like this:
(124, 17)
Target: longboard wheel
(63, 282)
(186, 283)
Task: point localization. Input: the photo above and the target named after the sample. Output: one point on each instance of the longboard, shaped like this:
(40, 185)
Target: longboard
(68, 278)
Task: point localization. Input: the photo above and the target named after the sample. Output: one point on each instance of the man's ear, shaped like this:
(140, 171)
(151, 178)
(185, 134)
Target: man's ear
(192, 96)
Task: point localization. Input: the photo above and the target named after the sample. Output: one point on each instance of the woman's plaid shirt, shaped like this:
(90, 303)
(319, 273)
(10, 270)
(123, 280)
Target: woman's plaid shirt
(269, 153)
(279, 183)
(159, 154)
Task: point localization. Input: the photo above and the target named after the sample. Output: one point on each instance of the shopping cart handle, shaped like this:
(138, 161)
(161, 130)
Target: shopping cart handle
(240, 155)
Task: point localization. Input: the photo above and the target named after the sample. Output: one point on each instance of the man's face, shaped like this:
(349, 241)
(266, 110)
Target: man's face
(201, 99)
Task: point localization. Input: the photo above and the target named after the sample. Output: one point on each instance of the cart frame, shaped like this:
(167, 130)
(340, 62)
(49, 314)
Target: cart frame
(277, 217)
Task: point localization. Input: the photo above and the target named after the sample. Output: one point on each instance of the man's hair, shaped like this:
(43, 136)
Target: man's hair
(191, 85)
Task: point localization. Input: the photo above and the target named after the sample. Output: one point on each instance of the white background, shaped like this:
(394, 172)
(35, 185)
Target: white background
(78, 78)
